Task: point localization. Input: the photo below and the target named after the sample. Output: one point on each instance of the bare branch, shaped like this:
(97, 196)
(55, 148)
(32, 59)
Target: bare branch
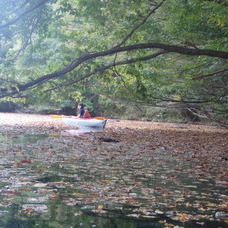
(139, 25)
(211, 74)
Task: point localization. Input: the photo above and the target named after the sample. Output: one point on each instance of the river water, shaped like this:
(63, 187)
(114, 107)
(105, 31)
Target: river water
(45, 187)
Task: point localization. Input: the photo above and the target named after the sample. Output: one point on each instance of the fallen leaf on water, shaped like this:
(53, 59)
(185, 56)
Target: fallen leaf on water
(222, 183)
(159, 212)
(100, 207)
(78, 213)
(5, 192)
(134, 215)
(35, 207)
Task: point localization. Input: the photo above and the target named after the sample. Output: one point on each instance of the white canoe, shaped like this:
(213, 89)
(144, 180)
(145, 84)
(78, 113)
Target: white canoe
(87, 122)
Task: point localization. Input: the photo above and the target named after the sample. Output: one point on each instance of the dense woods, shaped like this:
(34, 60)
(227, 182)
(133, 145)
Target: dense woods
(127, 56)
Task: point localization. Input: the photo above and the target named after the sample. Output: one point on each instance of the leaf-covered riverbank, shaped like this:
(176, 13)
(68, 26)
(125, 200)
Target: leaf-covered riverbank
(168, 174)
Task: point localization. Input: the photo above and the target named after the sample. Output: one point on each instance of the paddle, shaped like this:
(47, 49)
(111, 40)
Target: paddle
(56, 116)
(99, 118)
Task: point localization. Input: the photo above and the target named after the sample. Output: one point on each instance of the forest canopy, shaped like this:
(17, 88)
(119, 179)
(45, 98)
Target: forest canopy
(167, 53)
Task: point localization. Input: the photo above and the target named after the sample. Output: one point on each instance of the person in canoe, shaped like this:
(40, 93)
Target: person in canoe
(82, 112)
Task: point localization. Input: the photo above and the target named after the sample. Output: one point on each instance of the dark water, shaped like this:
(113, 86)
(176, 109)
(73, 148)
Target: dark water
(59, 215)
(98, 193)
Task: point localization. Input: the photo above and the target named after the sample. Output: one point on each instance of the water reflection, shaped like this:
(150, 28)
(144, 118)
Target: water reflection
(26, 138)
(61, 216)
(67, 189)
(81, 131)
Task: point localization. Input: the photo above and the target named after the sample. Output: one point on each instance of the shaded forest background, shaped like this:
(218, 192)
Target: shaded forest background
(132, 59)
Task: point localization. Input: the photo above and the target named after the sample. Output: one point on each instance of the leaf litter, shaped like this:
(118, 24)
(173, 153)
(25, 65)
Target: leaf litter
(141, 170)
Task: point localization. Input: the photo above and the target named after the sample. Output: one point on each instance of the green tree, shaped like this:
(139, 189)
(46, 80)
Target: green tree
(151, 52)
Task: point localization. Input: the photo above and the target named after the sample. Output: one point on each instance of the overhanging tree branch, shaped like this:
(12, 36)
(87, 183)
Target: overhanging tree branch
(101, 69)
(142, 46)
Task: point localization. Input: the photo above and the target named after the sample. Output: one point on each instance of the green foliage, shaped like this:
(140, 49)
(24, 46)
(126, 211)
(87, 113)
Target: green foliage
(198, 22)
(56, 33)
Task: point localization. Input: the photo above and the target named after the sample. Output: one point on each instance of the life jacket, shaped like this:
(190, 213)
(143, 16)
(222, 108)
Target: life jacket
(86, 114)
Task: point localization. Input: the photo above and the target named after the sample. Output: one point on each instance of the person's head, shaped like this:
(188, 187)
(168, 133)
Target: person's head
(80, 105)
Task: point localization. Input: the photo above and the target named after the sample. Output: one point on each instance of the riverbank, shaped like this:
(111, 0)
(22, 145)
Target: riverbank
(19, 122)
